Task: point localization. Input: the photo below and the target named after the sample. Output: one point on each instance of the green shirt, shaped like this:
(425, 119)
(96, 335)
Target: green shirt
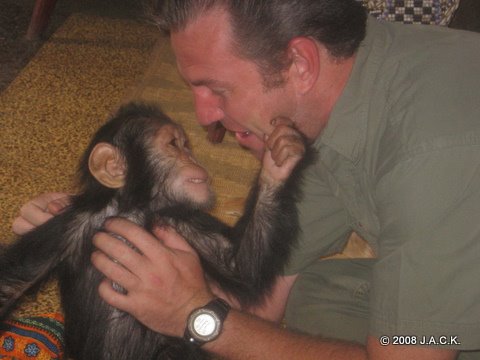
(399, 163)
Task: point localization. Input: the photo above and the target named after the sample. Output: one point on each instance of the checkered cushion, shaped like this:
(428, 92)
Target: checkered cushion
(438, 12)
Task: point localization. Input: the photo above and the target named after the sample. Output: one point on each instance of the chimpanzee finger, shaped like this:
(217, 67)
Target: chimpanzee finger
(281, 153)
(282, 131)
(285, 142)
(276, 122)
(282, 120)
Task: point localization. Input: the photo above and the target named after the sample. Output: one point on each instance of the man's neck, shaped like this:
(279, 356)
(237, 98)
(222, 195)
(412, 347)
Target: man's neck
(333, 77)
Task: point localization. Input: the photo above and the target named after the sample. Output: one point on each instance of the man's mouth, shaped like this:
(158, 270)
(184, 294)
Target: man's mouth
(243, 134)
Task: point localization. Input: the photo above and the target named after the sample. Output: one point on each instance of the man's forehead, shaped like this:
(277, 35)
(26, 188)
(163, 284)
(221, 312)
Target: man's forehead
(202, 58)
(209, 33)
(207, 20)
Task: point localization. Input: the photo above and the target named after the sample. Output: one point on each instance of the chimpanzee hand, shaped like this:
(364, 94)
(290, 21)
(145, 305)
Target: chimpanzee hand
(164, 283)
(285, 147)
(38, 211)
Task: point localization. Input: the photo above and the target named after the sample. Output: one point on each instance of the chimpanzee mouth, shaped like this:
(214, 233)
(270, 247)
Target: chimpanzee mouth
(197, 180)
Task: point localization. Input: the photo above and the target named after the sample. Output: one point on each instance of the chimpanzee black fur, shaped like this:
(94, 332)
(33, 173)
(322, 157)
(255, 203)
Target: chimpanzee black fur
(243, 260)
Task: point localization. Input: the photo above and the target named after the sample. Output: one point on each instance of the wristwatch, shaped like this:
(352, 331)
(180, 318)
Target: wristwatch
(205, 323)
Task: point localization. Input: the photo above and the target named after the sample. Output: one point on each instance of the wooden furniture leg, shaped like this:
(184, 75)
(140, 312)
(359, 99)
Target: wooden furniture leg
(40, 17)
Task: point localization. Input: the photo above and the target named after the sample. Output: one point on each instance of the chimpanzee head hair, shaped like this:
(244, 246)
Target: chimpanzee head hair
(262, 29)
(130, 130)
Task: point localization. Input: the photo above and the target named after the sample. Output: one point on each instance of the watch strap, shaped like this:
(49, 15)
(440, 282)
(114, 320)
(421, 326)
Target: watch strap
(220, 307)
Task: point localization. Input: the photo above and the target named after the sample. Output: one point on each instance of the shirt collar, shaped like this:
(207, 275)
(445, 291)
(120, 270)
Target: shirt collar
(346, 129)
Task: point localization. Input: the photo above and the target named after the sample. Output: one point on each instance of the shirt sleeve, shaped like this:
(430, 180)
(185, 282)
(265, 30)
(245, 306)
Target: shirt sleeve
(426, 277)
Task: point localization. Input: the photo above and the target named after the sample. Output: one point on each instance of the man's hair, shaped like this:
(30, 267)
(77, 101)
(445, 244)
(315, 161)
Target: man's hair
(262, 29)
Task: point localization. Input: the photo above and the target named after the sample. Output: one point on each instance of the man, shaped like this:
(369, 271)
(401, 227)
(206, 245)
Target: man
(395, 118)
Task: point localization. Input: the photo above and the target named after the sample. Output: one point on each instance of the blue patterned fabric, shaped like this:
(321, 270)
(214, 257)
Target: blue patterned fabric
(39, 337)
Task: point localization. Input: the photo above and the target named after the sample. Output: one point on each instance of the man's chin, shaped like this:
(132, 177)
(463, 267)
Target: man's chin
(258, 153)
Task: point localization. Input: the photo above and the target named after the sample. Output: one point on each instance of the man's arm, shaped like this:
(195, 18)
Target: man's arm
(246, 337)
(273, 309)
(166, 283)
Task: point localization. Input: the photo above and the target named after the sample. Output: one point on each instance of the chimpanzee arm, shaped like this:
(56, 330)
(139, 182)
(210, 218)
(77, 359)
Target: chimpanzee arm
(268, 230)
(245, 259)
(28, 262)
(265, 235)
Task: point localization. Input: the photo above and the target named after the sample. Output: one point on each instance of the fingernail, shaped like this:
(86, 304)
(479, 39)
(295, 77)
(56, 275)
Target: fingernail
(273, 122)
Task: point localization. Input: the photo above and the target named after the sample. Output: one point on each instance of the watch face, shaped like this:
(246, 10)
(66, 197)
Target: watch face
(204, 324)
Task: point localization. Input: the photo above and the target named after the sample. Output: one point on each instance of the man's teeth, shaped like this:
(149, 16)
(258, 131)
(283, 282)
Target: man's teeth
(197, 181)
(243, 133)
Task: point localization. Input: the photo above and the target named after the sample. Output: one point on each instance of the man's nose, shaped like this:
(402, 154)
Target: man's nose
(208, 108)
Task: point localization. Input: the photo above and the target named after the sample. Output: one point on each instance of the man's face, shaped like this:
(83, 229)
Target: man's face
(227, 88)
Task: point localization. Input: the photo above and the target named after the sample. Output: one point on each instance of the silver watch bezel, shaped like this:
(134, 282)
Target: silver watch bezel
(191, 328)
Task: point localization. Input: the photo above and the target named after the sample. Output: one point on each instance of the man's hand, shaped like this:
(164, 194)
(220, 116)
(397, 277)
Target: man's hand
(285, 147)
(164, 282)
(39, 210)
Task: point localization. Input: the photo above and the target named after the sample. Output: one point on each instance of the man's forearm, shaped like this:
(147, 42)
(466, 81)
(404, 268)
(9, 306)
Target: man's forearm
(247, 337)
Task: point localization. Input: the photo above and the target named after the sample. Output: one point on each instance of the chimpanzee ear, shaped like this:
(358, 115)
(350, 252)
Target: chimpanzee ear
(107, 165)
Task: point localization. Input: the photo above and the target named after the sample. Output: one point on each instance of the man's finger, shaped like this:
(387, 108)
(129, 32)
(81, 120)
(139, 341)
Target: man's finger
(112, 297)
(172, 239)
(113, 270)
(35, 214)
(56, 206)
(21, 226)
(43, 199)
(118, 250)
(136, 235)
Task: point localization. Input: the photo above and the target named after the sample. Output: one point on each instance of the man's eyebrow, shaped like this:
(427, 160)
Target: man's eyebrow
(209, 82)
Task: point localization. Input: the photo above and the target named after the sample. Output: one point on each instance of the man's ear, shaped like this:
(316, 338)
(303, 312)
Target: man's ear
(107, 165)
(305, 63)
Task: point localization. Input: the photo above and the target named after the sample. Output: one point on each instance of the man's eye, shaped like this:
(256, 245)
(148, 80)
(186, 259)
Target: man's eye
(218, 92)
(173, 143)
